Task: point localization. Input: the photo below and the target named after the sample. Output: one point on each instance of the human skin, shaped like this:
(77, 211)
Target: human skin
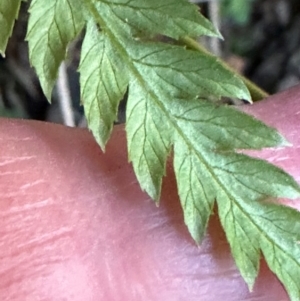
(74, 224)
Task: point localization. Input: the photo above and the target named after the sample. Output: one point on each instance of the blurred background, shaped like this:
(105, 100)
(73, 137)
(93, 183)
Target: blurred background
(261, 41)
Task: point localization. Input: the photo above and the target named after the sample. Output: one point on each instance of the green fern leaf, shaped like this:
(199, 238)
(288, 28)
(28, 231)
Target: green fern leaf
(173, 18)
(52, 26)
(103, 83)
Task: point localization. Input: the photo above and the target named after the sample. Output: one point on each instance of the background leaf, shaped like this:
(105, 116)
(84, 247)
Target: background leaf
(9, 11)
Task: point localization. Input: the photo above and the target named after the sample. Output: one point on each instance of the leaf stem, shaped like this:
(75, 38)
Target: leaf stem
(256, 92)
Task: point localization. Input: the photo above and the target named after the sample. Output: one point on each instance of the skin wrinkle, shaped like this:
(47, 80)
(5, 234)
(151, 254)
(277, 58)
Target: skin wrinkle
(16, 139)
(15, 160)
(31, 184)
(6, 173)
(45, 238)
(41, 233)
(20, 266)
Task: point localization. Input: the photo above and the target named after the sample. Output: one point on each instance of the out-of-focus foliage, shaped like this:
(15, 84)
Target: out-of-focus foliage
(238, 10)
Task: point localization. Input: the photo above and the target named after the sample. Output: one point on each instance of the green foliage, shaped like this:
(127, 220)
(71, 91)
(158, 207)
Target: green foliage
(103, 82)
(169, 88)
(9, 11)
(52, 25)
(237, 10)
